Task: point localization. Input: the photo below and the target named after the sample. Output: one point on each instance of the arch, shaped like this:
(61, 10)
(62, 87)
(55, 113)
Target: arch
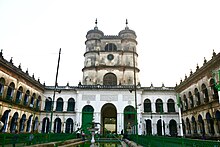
(173, 127)
(71, 104)
(197, 95)
(110, 79)
(38, 102)
(147, 105)
(214, 89)
(159, 105)
(109, 118)
(185, 102)
(2, 84)
(210, 123)
(159, 128)
(148, 127)
(217, 116)
(48, 104)
(35, 124)
(129, 119)
(26, 97)
(110, 47)
(171, 105)
(194, 125)
(19, 95)
(32, 100)
(10, 91)
(14, 122)
(205, 92)
(5, 120)
(45, 125)
(57, 125)
(201, 124)
(87, 117)
(184, 127)
(69, 125)
(191, 99)
(29, 122)
(22, 123)
(59, 106)
(188, 126)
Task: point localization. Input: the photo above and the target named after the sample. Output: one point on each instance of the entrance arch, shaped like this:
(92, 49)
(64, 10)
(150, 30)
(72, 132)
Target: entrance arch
(129, 119)
(87, 117)
(109, 118)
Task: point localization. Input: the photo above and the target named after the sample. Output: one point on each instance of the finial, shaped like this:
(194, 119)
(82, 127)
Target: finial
(191, 72)
(197, 66)
(96, 22)
(1, 53)
(44, 84)
(185, 76)
(181, 80)
(27, 71)
(38, 79)
(205, 61)
(126, 24)
(151, 85)
(19, 66)
(176, 85)
(33, 76)
(213, 54)
(11, 61)
(163, 85)
(67, 84)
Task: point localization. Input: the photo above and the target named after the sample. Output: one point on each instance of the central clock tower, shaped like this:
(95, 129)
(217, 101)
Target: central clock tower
(110, 59)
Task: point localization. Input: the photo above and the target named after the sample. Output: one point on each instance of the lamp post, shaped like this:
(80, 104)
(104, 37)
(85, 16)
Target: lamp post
(216, 75)
(54, 92)
(135, 95)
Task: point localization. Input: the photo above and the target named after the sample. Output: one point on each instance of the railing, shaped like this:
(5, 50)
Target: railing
(162, 141)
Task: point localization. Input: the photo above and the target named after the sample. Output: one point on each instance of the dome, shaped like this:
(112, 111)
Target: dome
(95, 33)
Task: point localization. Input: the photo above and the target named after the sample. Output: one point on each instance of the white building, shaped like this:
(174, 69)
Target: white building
(110, 93)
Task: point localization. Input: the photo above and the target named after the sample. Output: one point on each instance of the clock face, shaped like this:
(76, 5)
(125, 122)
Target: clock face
(110, 57)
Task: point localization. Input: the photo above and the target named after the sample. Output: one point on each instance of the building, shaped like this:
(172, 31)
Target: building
(200, 101)
(110, 93)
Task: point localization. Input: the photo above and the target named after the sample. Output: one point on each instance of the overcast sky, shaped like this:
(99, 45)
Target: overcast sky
(173, 35)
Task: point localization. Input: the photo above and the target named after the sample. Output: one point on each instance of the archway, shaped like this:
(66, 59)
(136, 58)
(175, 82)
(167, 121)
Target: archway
(109, 118)
(57, 125)
(14, 122)
(129, 119)
(45, 125)
(173, 127)
(87, 117)
(69, 125)
(148, 127)
(5, 120)
(159, 128)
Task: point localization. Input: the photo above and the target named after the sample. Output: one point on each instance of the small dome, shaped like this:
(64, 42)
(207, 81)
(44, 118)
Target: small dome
(127, 33)
(95, 33)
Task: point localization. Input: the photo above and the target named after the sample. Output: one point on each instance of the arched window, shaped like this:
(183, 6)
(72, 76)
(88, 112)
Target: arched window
(110, 79)
(35, 124)
(210, 123)
(19, 95)
(205, 93)
(69, 125)
(5, 120)
(159, 128)
(159, 105)
(26, 97)
(147, 105)
(10, 91)
(48, 104)
(71, 104)
(14, 122)
(32, 100)
(191, 99)
(22, 123)
(2, 84)
(201, 125)
(45, 125)
(38, 103)
(148, 127)
(110, 47)
(214, 89)
(184, 127)
(59, 104)
(185, 102)
(173, 127)
(217, 116)
(188, 126)
(29, 122)
(57, 125)
(194, 125)
(197, 95)
(171, 105)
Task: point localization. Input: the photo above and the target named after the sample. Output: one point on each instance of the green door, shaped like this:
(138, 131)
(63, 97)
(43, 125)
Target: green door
(87, 117)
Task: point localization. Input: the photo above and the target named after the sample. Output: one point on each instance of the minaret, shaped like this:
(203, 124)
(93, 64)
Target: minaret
(109, 58)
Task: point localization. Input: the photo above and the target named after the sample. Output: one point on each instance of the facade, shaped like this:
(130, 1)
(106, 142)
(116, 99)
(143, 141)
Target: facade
(199, 101)
(110, 94)
(20, 98)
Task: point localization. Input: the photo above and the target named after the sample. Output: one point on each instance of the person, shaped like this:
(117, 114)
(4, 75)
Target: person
(15, 138)
(83, 136)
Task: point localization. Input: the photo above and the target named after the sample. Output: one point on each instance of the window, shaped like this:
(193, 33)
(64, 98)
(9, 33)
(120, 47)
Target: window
(191, 100)
(59, 104)
(205, 92)
(10, 91)
(2, 83)
(19, 94)
(214, 89)
(48, 104)
(147, 105)
(185, 102)
(26, 97)
(197, 95)
(71, 104)
(110, 79)
(38, 103)
(159, 105)
(32, 100)
(171, 105)
(110, 47)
